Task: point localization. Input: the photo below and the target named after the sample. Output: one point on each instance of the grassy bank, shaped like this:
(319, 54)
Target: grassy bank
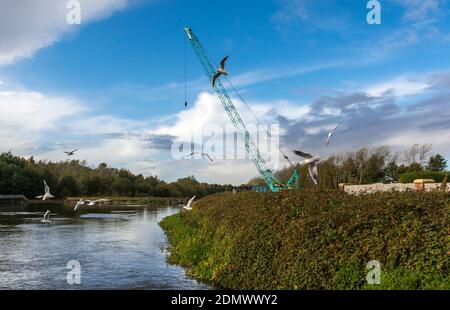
(314, 240)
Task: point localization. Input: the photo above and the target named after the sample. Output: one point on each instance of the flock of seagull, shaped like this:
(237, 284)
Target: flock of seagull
(47, 195)
(311, 160)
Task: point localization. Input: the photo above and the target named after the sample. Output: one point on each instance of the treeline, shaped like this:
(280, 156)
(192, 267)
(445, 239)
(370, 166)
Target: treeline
(75, 178)
(376, 165)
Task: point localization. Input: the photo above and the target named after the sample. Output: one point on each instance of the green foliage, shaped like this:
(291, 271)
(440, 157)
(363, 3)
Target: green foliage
(314, 239)
(437, 163)
(74, 178)
(409, 177)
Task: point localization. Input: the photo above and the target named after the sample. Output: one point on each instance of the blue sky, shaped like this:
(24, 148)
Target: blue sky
(118, 78)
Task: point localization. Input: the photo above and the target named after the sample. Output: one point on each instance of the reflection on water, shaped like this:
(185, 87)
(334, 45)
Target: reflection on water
(122, 249)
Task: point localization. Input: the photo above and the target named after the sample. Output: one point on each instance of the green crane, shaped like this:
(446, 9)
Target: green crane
(272, 182)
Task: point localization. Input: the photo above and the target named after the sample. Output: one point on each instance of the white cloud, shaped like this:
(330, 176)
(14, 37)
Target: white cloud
(417, 10)
(258, 76)
(29, 25)
(399, 87)
(26, 116)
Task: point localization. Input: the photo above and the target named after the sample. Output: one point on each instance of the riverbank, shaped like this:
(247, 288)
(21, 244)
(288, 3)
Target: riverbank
(314, 240)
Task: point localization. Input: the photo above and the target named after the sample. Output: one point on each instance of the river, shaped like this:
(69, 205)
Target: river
(120, 249)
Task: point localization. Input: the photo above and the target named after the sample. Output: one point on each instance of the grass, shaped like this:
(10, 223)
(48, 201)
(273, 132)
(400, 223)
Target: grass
(314, 239)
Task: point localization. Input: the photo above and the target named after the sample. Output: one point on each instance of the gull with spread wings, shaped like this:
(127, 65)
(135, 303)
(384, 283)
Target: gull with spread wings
(47, 194)
(71, 153)
(331, 134)
(188, 206)
(312, 162)
(220, 71)
(202, 155)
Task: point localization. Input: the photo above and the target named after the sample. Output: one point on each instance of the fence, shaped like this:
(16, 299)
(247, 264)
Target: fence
(13, 200)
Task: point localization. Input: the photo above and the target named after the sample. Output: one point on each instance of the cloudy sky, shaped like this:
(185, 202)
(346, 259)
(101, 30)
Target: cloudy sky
(113, 86)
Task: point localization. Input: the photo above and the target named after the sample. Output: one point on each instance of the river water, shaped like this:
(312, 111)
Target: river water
(121, 249)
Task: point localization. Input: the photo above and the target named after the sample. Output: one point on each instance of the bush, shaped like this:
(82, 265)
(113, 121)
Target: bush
(409, 177)
(314, 239)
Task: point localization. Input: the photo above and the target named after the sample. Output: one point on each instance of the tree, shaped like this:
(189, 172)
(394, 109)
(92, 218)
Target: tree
(391, 172)
(437, 163)
(67, 186)
(417, 153)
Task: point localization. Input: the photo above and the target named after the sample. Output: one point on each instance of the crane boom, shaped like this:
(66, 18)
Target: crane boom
(272, 182)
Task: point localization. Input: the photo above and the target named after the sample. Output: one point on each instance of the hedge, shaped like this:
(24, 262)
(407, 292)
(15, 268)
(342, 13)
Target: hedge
(314, 239)
(409, 177)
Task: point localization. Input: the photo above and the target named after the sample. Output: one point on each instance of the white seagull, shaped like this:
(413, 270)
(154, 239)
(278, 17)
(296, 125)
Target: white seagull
(312, 162)
(46, 218)
(71, 153)
(202, 155)
(188, 206)
(83, 202)
(330, 135)
(220, 71)
(80, 203)
(47, 194)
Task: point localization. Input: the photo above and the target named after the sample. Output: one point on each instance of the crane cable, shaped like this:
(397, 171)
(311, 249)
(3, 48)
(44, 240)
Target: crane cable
(185, 71)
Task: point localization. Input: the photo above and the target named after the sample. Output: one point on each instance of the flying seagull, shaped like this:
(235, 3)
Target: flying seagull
(202, 155)
(91, 202)
(71, 153)
(47, 194)
(83, 202)
(80, 203)
(46, 218)
(220, 71)
(312, 162)
(188, 206)
(330, 135)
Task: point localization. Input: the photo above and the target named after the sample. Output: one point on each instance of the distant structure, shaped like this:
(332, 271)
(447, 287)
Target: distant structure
(13, 200)
(420, 185)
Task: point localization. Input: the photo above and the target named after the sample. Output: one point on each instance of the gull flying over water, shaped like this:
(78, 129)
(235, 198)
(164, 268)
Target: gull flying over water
(71, 153)
(202, 155)
(47, 194)
(80, 203)
(220, 71)
(312, 162)
(46, 218)
(188, 206)
(330, 135)
(83, 202)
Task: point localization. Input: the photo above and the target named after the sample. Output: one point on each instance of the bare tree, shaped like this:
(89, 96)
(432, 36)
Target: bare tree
(424, 150)
(360, 158)
(417, 153)
(410, 155)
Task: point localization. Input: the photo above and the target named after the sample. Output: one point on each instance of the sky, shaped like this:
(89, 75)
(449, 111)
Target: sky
(113, 86)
